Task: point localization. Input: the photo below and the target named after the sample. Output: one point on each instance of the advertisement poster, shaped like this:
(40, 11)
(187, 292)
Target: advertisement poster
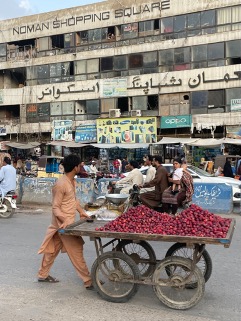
(233, 132)
(85, 134)
(116, 87)
(127, 130)
(62, 130)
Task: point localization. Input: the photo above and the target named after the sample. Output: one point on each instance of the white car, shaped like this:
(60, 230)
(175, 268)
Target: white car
(200, 176)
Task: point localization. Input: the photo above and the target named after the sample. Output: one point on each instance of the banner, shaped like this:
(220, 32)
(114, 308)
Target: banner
(233, 131)
(115, 87)
(176, 121)
(62, 130)
(127, 130)
(86, 134)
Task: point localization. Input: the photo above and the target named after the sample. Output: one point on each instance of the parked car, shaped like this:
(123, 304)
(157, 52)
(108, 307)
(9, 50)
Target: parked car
(200, 176)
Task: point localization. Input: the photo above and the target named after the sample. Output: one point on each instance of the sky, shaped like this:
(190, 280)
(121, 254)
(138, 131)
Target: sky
(18, 8)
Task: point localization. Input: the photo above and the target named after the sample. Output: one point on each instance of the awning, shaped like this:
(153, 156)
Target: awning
(175, 140)
(126, 146)
(67, 144)
(22, 145)
(231, 141)
(207, 142)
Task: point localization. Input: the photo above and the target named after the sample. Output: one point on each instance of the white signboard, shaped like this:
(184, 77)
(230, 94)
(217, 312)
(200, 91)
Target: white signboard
(236, 104)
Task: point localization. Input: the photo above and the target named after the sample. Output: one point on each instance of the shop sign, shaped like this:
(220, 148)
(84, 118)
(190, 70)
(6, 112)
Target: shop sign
(236, 104)
(127, 130)
(62, 130)
(233, 132)
(86, 134)
(176, 121)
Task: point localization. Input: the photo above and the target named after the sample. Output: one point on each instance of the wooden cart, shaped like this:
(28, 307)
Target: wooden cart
(178, 280)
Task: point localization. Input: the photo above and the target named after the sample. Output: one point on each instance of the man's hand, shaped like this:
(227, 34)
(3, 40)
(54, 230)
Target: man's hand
(66, 223)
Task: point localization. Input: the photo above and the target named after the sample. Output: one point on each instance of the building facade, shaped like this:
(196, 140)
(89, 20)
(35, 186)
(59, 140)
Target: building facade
(177, 61)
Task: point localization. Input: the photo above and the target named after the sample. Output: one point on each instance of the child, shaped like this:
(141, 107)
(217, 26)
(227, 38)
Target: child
(176, 176)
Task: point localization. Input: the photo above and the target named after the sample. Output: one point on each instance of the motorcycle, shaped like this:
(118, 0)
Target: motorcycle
(8, 205)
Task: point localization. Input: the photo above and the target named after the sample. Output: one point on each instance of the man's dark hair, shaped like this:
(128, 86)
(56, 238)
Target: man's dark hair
(134, 163)
(7, 160)
(158, 159)
(177, 160)
(150, 158)
(70, 162)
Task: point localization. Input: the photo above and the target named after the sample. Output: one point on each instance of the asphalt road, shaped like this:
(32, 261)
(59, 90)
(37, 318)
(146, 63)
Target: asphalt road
(22, 298)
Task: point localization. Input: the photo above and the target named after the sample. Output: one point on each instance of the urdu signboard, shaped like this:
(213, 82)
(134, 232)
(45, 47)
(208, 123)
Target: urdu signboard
(127, 130)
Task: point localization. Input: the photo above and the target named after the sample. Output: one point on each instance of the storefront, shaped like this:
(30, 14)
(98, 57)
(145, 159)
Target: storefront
(175, 126)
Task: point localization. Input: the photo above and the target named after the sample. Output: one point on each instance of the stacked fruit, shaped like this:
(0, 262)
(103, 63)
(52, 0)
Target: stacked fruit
(193, 221)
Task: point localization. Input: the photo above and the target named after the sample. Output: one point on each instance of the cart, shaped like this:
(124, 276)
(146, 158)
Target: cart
(178, 280)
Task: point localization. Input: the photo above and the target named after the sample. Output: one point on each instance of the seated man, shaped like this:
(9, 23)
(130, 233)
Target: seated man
(82, 172)
(150, 174)
(160, 182)
(7, 177)
(134, 177)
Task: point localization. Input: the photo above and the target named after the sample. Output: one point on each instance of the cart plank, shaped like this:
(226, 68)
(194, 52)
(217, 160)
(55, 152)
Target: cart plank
(84, 228)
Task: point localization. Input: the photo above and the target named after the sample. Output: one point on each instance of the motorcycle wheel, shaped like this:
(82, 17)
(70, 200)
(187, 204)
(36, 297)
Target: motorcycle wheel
(9, 212)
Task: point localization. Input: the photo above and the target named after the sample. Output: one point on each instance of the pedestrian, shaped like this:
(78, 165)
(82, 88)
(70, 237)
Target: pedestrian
(124, 163)
(64, 207)
(227, 169)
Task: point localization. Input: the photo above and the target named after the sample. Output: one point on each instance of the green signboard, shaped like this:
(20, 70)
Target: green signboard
(176, 121)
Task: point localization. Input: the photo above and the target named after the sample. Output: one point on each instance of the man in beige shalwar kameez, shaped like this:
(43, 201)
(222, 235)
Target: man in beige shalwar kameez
(64, 208)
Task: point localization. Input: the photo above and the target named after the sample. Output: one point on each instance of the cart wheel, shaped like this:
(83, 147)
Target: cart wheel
(171, 288)
(9, 211)
(141, 253)
(204, 264)
(113, 275)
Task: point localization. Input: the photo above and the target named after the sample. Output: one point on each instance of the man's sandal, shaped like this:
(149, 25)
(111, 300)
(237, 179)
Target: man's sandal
(48, 279)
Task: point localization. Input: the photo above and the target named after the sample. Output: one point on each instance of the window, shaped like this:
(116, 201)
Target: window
(166, 57)
(208, 18)
(146, 26)
(236, 17)
(120, 63)
(136, 61)
(150, 59)
(94, 35)
(167, 25)
(139, 102)
(233, 93)
(179, 23)
(3, 49)
(106, 63)
(93, 106)
(224, 17)
(68, 107)
(182, 55)
(199, 99)
(199, 53)
(193, 21)
(129, 30)
(233, 48)
(43, 71)
(216, 98)
(92, 66)
(80, 67)
(216, 51)
(55, 109)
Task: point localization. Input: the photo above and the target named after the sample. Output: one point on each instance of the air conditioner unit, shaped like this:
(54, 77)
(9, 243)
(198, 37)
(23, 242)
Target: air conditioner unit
(135, 113)
(114, 113)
